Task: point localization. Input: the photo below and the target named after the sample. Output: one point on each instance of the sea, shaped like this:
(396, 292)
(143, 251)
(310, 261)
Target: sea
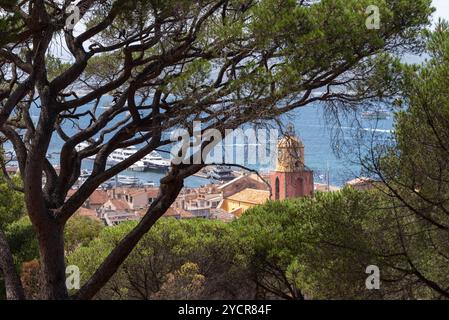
(334, 143)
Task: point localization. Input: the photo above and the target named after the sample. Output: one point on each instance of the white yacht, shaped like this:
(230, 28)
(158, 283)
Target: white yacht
(139, 166)
(149, 184)
(152, 161)
(129, 181)
(120, 155)
(221, 173)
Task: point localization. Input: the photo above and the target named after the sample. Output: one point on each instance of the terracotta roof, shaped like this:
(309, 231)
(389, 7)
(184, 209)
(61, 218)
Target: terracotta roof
(171, 212)
(153, 192)
(129, 191)
(252, 196)
(87, 213)
(98, 197)
(150, 192)
(120, 204)
(222, 215)
(137, 192)
(178, 212)
(212, 196)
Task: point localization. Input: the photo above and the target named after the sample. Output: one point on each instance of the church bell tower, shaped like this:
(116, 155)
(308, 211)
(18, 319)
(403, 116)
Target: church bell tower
(291, 179)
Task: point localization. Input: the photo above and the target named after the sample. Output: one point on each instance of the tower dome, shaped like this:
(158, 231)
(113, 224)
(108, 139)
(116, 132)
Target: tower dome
(290, 154)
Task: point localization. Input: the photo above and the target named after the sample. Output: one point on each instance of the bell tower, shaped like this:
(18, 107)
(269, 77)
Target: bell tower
(291, 179)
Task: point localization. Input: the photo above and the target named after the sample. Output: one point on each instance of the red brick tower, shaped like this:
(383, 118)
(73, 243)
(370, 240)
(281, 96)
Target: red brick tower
(292, 179)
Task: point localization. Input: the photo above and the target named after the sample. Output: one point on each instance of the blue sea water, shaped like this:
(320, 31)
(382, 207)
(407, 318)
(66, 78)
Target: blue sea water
(333, 148)
(322, 139)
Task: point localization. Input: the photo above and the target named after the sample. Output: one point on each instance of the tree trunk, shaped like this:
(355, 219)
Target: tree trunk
(14, 290)
(51, 248)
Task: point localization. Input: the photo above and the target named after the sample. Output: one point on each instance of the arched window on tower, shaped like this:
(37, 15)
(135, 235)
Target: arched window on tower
(300, 187)
(276, 189)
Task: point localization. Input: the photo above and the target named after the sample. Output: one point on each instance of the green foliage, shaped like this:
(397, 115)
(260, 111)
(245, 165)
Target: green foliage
(11, 204)
(55, 66)
(185, 283)
(22, 241)
(104, 66)
(10, 24)
(160, 259)
(12, 208)
(322, 35)
(416, 171)
(325, 36)
(309, 244)
(80, 231)
(421, 130)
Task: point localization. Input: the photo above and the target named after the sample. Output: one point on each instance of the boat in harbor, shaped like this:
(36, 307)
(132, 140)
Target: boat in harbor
(221, 173)
(376, 115)
(149, 184)
(154, 161)
(139, 166)
(151, 162)
(129, 181)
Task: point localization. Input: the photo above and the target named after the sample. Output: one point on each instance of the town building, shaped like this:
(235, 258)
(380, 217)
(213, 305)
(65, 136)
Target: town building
(178, 214)
(96, 200)
(362, 183)
(245, 181)
(322, 187)
(115, 205)
(89, 213)
(199, 201)
(113, 218)
(136, 198)
(222, 215)
(238, 203)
